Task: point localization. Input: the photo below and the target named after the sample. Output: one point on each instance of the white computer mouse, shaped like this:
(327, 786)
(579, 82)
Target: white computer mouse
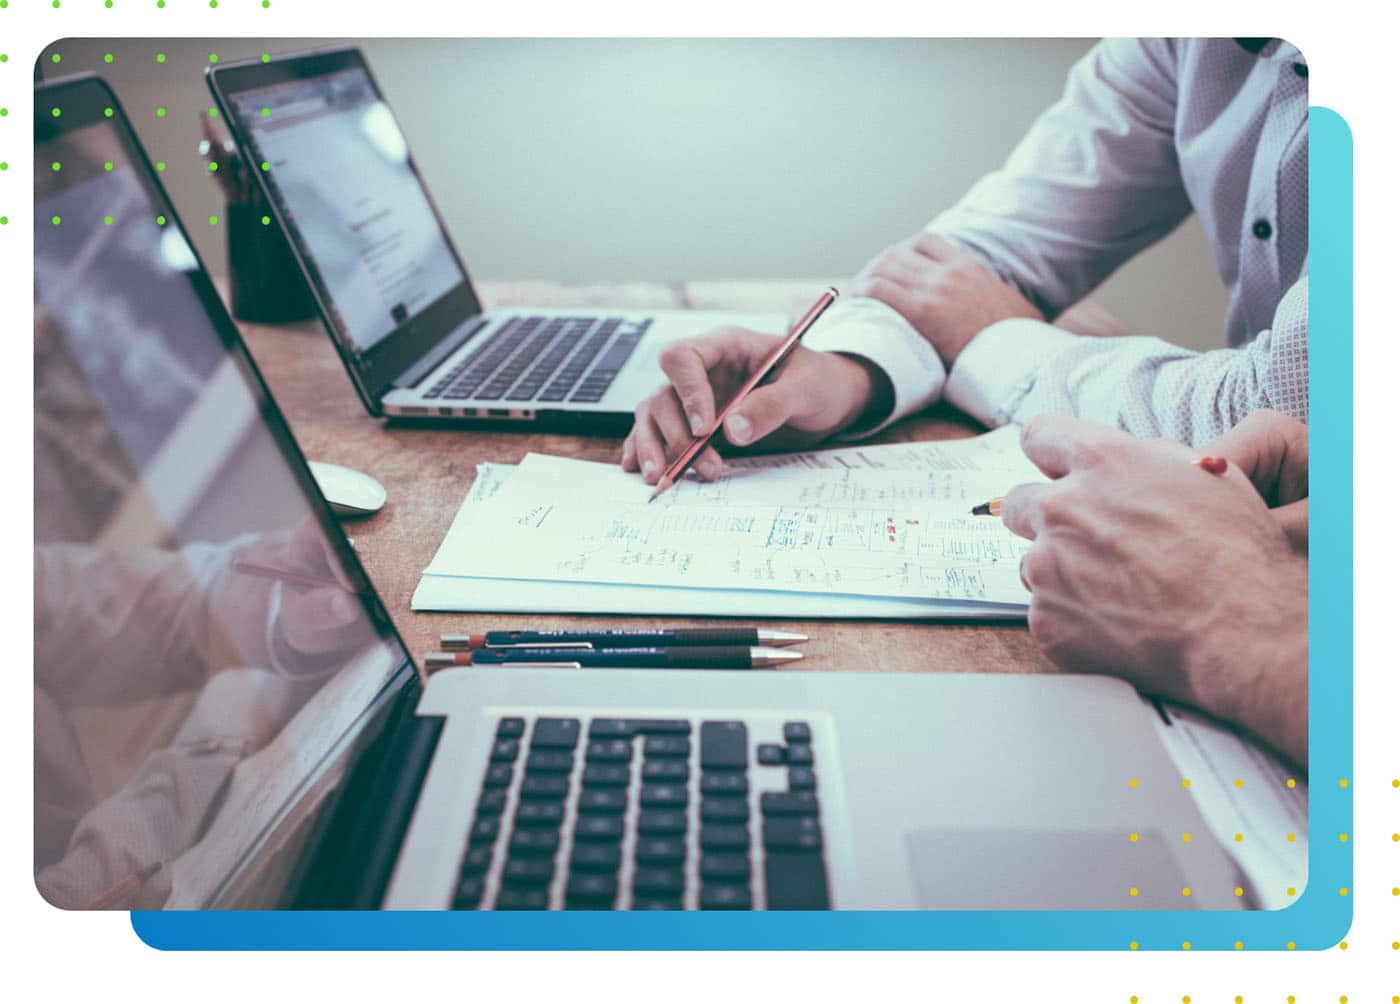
(350, 492)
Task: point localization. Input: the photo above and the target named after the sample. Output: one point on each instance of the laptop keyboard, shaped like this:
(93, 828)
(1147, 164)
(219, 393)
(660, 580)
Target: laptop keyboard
(643, 814)
(544, 359)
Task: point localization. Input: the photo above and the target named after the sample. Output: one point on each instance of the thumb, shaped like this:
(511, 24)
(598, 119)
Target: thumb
(765, 411)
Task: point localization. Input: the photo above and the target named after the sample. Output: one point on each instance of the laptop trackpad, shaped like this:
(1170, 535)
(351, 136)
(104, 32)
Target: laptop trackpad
(1043, 870)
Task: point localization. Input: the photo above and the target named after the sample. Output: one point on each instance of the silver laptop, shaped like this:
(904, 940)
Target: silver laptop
(388, 282)
(239, 725)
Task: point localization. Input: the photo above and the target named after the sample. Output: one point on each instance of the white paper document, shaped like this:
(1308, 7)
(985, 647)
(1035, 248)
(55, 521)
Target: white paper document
(867, 531)
(859, 532)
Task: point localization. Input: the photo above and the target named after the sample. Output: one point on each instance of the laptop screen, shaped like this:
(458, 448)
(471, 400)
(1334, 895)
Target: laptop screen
(206, 645)
(339, 171)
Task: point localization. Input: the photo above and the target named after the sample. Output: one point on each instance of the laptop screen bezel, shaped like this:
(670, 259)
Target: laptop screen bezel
(376, 371)
(86, 100)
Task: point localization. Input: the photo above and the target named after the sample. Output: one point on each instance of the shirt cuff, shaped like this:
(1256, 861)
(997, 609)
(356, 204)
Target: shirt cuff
(996, 371)
(879, 334)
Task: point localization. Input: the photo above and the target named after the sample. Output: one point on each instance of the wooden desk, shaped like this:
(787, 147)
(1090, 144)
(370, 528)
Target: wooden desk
(427, 472)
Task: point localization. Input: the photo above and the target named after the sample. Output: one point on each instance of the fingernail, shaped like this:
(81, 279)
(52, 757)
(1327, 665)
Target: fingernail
(738, 429)
(696, 426)
(648, 469)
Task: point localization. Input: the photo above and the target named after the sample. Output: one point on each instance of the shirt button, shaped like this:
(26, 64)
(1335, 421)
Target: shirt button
(1262, 230)
(1301, 69)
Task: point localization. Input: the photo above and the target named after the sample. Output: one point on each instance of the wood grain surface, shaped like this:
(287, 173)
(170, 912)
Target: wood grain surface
(427, 472)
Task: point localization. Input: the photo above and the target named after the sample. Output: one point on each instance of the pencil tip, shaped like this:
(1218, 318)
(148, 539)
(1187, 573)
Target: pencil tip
(985, 509)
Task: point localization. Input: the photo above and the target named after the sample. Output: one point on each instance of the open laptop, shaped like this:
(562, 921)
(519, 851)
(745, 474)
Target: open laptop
(237, 723)
(388, 282)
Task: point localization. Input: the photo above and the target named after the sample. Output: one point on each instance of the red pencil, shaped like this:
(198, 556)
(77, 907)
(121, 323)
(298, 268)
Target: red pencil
(758, 376)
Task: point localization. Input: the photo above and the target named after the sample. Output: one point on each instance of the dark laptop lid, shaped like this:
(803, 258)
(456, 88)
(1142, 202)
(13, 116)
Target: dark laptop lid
(330, 157)
(208, 651)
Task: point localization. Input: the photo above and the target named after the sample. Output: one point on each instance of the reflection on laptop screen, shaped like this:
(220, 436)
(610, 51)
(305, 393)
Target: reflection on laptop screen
(338, 169)
(203, 649)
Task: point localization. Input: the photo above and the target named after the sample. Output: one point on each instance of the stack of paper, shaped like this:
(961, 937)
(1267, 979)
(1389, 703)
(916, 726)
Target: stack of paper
(879, 531)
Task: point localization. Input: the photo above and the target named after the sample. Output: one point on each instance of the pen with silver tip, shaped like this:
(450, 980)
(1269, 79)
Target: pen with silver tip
(683, 657)
(654, 638)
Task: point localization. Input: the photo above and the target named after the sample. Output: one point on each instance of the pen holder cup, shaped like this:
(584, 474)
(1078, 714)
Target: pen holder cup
(266, 284)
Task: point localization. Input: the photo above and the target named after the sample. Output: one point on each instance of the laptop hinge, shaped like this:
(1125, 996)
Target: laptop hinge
(454, 340)
(356, 846)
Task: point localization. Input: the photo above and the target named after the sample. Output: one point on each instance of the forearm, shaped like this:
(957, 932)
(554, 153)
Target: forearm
(1250, 664)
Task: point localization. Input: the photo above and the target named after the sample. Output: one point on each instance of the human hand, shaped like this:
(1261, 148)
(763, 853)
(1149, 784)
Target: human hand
(946, 294)
(313, 622)
(1271, 449)
(814, 395)
(1180, 581)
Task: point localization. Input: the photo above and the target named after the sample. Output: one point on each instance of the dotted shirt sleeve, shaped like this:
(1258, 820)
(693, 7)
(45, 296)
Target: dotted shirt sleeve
(1019, 368)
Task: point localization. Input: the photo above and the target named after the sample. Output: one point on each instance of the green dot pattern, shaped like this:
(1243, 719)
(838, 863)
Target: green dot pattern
(107, 112)
(160, 165)
(56, 58)
(107, 220)
(4, 220)
(4, 165)
(160, 113)
(266, 220)
(213, 221)
(57, 220)
(107, 57)
(107, 166)
(160, 57)
(160, 220)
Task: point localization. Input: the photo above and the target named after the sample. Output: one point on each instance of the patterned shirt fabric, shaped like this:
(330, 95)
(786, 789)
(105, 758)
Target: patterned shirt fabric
(1147, 132)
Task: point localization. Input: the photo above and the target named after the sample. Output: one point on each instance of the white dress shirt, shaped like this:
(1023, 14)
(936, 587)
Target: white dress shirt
(1148, 131)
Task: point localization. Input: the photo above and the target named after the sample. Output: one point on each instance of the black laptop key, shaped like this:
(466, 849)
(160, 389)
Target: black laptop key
(666, 746)
(658, 881)
(607, 775)
(665, 770)
(609, 751)
(724, 810)
(800, 755)
(801, 779)
(660, 850)
(725, 896)
(661, 821)
(797, 732)
(657, 903)
(467, 895)
(725, 867)
(660, 726)
(505, 750)
(476, 860)
(795, 880)
(498, 775)
(555, 733)
(595, 827)
(802, 833)
(593, 889)
(492, 802)
(535, 814)
(529, 898)
(510, 728)
(484, 830)
(723, 745)
(528, 871)
(610, 728)
(788, 803)
(602, 800)
(660, 796)
(771, 755)
(527, 842)
(549, 762)
(728, 782)
(596, 857)
(544, 786)
(723, 836)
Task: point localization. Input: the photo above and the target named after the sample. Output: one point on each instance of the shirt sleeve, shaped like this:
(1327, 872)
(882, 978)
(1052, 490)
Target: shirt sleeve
(1095, 180)
(1019, 368)
(873, 331)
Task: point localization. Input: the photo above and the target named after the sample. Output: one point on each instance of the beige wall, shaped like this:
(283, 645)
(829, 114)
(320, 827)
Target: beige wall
(597, 159)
